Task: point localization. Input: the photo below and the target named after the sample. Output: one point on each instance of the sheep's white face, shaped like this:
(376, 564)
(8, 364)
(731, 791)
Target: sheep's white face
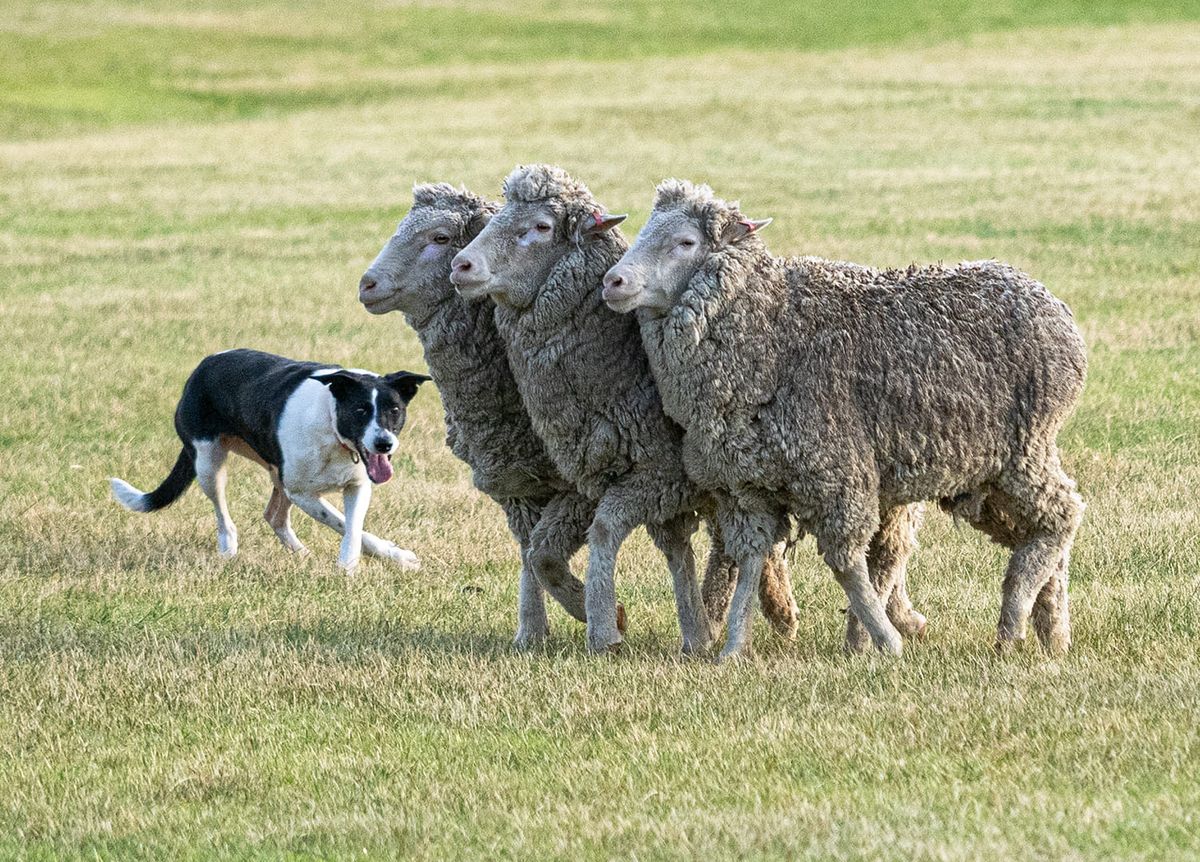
(512, 257)
(412, 272)
(658, 266)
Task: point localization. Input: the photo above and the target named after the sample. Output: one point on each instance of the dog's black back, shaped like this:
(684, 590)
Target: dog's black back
(241, 393)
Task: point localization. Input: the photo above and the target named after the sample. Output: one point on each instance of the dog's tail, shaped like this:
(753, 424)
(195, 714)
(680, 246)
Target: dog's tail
(168, 492)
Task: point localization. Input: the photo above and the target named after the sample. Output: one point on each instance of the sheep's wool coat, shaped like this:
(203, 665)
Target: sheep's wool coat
(581, 368)
(822, 386)
(486, 424)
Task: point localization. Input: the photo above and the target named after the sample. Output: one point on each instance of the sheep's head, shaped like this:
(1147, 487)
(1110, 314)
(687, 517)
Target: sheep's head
(686, 226)
(546, 214)
(412, 272)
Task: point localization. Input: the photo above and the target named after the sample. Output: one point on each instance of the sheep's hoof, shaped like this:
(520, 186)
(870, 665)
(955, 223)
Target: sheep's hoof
(891, 646)
(736, 656)
(855, 644)
(1007, 645)
(620, 618)
(922, 626)
(913, 626)
(786, 626)
(602, 645)
(698, 646)
(1057, 645)
(531, 639)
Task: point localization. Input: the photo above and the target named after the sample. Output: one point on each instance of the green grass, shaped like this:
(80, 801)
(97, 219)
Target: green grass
(176, 182)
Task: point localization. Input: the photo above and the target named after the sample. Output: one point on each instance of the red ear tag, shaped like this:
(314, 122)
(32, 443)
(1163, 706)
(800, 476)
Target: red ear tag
(747, 224)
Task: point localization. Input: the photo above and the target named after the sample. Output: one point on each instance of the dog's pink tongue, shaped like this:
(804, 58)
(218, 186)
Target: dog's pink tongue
(379, 468)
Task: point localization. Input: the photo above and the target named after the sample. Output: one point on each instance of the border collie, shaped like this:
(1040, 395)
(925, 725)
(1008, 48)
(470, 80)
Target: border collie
(315, 428)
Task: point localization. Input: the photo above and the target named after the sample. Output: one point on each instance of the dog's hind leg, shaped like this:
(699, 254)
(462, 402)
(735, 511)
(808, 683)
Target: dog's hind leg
(211, 475)
(279, 515)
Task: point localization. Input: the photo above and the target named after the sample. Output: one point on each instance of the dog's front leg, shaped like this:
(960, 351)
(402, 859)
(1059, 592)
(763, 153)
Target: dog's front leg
(372, 545)
(355, 500)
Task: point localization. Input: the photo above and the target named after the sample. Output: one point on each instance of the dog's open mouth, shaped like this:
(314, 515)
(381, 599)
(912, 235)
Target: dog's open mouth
(379, 467)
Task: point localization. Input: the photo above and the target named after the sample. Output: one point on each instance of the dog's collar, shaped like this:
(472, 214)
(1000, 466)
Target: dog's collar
(353, 452)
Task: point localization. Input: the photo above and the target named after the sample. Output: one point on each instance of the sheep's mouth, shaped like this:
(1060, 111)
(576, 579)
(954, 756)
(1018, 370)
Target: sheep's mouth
(620, 302)
(472, 290)
(381, 304)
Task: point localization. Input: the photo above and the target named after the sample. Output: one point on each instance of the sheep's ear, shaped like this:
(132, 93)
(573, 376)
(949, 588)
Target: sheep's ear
(597, 223)
(477, 223)
(736, 231)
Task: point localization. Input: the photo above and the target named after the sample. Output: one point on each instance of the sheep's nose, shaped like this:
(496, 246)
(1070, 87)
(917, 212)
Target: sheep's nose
(614, 279)
(463, 265)
(367, 284)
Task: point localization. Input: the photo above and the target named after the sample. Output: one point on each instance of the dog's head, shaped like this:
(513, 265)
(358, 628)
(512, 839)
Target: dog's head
(369, 411)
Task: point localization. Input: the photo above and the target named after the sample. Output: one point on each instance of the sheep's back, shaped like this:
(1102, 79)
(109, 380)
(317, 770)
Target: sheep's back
(944, 374)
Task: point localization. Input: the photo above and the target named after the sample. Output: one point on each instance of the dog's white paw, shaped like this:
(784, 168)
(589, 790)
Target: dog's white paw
(407, 559)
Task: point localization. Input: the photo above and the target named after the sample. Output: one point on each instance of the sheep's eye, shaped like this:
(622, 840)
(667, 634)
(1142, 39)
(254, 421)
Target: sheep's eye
(542, 227)
(687, 243)
(441, 239)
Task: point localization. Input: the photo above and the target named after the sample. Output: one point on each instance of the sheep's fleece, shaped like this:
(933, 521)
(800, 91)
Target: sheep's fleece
(486, 425)
(836, 393)
(585, 381)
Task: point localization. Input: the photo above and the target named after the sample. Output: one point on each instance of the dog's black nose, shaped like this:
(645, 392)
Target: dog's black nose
(383, 445)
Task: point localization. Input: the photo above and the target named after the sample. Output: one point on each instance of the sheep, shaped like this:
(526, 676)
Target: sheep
(486, 425)
(585, 382)
(839, 394)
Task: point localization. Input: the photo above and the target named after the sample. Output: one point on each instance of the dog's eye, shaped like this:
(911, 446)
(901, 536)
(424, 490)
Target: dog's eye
(363, 411)
(441, 239)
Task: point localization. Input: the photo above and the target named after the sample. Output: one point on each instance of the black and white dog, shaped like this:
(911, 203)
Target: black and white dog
(316, 428)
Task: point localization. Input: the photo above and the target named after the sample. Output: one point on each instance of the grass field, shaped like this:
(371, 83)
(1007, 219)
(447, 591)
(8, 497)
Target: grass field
(177, 181)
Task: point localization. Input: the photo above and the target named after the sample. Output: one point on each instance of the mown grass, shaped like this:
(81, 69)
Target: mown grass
(176, 182)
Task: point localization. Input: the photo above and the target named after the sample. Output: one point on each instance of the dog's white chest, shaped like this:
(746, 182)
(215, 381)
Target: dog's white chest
(314, 459)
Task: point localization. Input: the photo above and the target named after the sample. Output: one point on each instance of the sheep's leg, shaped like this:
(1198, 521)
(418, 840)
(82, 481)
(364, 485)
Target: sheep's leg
(1046, 511)
(561, 531)
(739, 641)
(775, 591)
(750, 536)
(616, 516)
(720, 575)
(887, 561)
(1051, 614)
(533, 626)
(907, 619)
(852, 573)
(674, 539)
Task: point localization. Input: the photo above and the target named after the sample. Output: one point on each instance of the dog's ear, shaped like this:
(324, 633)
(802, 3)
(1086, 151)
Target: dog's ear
(339, 382)
(405, 383)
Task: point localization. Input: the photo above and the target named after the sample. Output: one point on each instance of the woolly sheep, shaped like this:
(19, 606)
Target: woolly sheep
(486, 425)
(585, 381)
(838, 393)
